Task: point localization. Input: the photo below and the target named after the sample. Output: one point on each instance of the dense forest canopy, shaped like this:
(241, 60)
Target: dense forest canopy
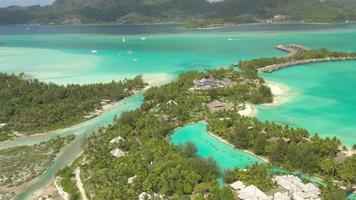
(31, 106)
(180, 11)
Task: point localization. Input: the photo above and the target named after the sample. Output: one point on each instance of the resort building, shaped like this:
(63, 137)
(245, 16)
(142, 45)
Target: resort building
(276, 139)
(281, 196)
(117, 140)
(130, 180)
(216, 105)
(117, 153)
(238, 185)
(340, 158)
(206, 84)
(293, 189)
(297, 189)
(105, 102)
(172, 102)
(147, 196)
(252, 193)
(2, 125)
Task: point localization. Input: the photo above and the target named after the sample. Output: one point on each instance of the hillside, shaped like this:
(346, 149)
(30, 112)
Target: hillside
(181, 11)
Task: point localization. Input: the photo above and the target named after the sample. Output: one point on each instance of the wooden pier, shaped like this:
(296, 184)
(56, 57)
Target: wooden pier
(291, 49)
(275, 67)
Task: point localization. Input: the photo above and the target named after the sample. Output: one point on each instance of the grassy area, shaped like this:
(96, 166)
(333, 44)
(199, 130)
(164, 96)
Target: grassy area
(21, 164)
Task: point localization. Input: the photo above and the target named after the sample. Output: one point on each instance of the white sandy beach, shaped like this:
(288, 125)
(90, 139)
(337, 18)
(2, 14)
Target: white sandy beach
(281, 93)
(249, 111)
(157, 79)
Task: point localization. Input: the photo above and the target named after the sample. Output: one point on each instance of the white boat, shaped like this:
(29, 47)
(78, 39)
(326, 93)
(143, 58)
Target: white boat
(94, 51)
(123, 39)
(143, 38)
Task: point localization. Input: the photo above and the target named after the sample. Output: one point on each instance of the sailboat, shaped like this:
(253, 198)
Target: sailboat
(123, 39)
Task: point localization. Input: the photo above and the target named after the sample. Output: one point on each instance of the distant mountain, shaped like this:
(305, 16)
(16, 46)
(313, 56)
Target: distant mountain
(6, 3)
(182, 11)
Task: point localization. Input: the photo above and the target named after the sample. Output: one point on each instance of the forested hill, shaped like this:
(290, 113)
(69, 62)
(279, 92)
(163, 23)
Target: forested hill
(181, 11)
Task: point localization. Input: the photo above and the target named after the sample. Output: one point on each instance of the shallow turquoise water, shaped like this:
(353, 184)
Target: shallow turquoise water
(326, 100)
(208, 146)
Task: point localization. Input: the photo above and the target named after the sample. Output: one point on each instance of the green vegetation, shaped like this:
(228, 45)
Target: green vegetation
(159, 167)
(31, 106)
(181, 11)
(248, 66)
(332, 191)
(68, 183)
(151, 164)
(21, 164)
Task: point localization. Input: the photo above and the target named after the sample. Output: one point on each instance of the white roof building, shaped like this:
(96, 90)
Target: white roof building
(117, 140)
(297, 188)
(172, 102)
(252, 193)
(281, 196)
(238, 185)
(2, 125)
(145, 196)
(131, 180)
(117, 153)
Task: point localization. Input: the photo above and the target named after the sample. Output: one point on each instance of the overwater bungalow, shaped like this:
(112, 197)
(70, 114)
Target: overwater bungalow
(291, 49)
(275, 67)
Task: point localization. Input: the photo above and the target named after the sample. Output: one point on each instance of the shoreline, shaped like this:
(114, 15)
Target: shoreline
(221, 140)
(281, 93)
(182, 23)
(264, 159)
(249, 111)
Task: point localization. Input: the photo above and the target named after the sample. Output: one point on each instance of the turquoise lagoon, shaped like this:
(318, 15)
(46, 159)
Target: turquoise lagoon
(85, 54)
(208, 146)
(64, 54)
(325, 101)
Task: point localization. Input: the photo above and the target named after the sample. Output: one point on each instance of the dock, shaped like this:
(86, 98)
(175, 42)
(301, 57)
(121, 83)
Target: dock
(275, 67)
(291, 49)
